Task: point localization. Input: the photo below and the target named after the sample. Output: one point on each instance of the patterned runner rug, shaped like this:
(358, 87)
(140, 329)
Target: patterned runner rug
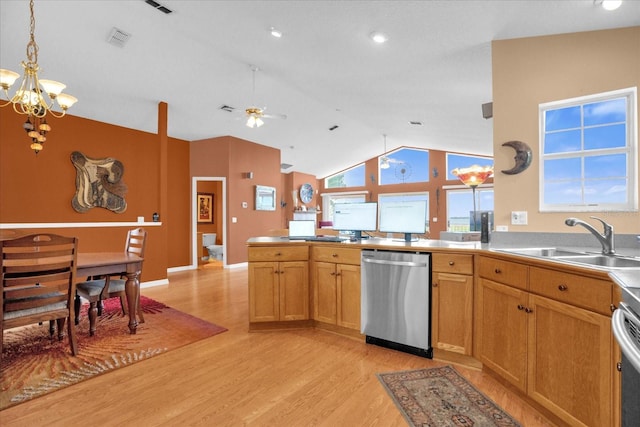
(441, 397)
(33, 364)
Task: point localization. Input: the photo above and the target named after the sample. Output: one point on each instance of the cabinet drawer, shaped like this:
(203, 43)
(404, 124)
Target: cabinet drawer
(337, 255)
(506, 272)
(581, 291)
(452, 263)
(279, 253)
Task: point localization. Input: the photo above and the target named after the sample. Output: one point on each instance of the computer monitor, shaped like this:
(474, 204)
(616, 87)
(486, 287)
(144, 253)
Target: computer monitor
(356, 217)
(404, 217)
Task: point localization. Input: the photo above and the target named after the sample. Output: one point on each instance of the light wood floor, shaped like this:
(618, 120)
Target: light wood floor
(293, 378)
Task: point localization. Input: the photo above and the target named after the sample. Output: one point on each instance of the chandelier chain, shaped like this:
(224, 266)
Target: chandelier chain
(32, 46)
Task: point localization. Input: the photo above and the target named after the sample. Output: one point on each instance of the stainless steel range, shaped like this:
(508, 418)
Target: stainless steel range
(626, 329)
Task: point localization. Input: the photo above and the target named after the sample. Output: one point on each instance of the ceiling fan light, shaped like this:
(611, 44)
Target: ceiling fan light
(610, 4)
(275, 32)
(251, 121)
(259, 122)
(379, 37)
(384, 163)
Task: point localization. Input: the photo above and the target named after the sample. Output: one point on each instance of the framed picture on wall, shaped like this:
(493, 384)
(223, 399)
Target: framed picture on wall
(204, 205)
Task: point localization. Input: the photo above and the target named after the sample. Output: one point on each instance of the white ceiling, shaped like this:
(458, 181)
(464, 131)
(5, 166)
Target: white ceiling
(324, 71)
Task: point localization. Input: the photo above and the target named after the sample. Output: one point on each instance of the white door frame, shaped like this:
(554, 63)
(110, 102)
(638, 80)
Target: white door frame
(195, 250)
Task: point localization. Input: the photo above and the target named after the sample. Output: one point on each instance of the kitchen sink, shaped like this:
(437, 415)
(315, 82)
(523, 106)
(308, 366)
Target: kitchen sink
(608, 261)
(543, 252)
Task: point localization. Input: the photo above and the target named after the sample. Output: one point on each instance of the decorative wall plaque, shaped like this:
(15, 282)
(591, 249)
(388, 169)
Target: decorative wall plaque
(98, 184)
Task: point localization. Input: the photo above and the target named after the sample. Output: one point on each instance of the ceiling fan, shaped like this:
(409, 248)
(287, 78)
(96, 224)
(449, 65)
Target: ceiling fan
(255, 114)
(385, 161)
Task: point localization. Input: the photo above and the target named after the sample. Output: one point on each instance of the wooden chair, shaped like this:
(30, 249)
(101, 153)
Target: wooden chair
(97, 289)
(38, 282)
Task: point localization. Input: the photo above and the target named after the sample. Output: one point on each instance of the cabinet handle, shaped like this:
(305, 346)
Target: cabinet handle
(334, 255)
(562, 287)
(619, 367)
(528, 310)
(497, 271)
(333, 273)
(451, 262)
(612, 307)
(278, 253)
(435, 284)
(337, 274)
(520, 307)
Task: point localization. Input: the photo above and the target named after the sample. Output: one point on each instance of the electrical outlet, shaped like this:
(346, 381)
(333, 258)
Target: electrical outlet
(519, 218)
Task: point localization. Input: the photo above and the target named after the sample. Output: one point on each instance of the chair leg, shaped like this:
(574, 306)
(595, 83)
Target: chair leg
(77, 304)
(93, 315)
(73, 343)
(52, 328)
(123, 304)
(60, 328)
(139, 310)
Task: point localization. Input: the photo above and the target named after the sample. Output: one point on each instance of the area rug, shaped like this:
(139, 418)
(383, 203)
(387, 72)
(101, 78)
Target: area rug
(33, 364)
(441, 397)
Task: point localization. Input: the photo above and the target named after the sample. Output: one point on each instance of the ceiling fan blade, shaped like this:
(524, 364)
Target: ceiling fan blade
(275, 116)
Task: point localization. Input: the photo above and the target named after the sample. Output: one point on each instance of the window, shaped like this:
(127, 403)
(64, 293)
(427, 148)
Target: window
(464, 161)
(403, 166)
(353, 177)
(330, 200)
(588, 149)
(460, 208)
(405, 197)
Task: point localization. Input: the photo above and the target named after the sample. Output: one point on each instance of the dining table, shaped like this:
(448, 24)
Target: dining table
(111, 263)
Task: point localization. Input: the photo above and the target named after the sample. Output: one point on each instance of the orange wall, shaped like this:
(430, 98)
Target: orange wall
(232, 158)
(39, 188)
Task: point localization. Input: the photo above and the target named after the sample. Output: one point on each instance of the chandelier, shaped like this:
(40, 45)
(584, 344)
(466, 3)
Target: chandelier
(472, 177)
(254, 117)
(35, 97)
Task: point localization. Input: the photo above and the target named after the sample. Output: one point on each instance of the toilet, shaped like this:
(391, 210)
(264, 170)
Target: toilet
(209, 242)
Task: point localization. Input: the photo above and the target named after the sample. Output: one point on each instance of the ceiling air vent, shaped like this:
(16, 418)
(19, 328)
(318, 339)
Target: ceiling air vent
(158, 6)
(284, 166)
(334, 127)
(118, 37)
(227, 108)
(415, 123)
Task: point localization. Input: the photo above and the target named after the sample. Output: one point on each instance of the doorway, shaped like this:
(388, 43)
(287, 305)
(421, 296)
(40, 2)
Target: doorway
(220, 199)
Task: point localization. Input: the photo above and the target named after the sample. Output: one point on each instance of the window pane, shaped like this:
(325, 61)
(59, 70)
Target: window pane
(610, 111)
(405, 165)
(459, 161)
(563, 193)
(562, 142)
(353, 177)
(606, 191)
(460, 207)
(605, 137)
(562, 118)
(560, 169)
(605, 166)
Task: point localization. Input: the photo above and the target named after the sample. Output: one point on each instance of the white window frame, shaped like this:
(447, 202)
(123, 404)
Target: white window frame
(630, 149)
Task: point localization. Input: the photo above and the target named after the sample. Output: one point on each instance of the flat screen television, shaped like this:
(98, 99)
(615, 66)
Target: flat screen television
(404, 217)
(356, 217)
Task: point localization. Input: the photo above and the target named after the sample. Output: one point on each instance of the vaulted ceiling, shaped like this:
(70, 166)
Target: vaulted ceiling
(323, 72)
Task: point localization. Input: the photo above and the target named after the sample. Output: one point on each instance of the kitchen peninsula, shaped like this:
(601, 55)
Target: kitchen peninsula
(539, 324)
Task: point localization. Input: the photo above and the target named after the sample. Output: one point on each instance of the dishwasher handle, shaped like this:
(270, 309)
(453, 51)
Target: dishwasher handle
(401, 263)
(622, 336)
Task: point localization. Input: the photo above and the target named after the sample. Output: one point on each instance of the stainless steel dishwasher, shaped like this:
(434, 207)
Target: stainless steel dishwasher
(396, 300)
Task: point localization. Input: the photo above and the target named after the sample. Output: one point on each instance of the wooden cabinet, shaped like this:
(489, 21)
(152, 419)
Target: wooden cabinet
(336, 286)
(278, 283)
(546, 332)
(452, 302)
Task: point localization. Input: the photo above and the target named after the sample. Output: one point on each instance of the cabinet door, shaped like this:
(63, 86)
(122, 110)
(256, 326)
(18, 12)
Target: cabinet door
(570, 361)
(452, 312)
(294, 290)
(263, 292)
(324, 292)
(348, 281)
(502, 330)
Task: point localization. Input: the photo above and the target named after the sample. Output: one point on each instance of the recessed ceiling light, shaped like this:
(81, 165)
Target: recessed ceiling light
(609, 4)
(379, 37)
(275, 33)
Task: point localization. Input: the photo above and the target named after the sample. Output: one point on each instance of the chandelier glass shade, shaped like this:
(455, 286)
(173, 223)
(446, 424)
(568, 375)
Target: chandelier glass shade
(35, 97)
(254, 117)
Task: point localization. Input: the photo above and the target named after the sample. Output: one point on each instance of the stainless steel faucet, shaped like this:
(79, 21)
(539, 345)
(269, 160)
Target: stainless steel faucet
(606, 239)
